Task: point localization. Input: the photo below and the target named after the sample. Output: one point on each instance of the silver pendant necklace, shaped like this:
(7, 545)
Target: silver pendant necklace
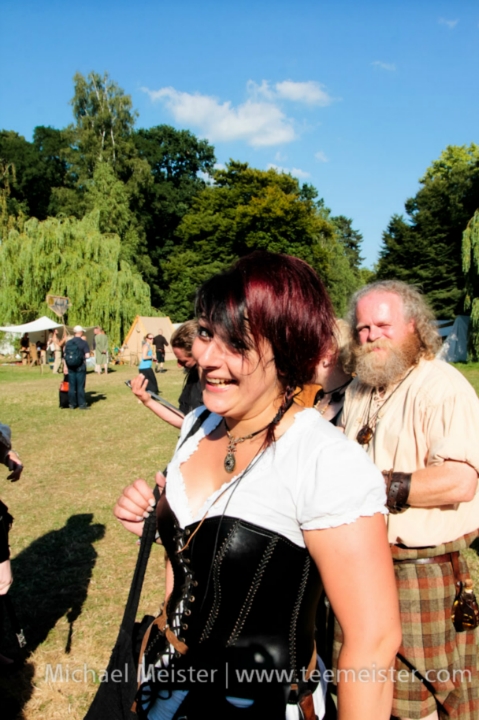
(230, 460)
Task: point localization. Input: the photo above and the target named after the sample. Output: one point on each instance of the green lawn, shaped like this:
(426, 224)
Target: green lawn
(72, 561)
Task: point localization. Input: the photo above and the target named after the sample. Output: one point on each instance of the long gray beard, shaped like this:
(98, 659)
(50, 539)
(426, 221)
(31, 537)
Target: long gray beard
(381, 372)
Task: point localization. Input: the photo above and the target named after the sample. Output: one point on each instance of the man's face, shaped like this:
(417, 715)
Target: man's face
(381, 315)
(387, 344)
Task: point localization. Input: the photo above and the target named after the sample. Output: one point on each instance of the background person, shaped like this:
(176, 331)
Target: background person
(55, 345)
(101, 351)
(77, 351)
(145, 367)
(9, 458)
(160, 343)
(25, 349)
(418, 419)
(267, 494)
(192, 394)
(332, 373)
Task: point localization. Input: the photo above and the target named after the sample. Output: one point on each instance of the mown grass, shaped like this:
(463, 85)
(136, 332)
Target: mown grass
(72, 561)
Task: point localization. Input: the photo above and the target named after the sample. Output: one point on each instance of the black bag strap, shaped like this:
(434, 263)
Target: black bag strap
(147, 539)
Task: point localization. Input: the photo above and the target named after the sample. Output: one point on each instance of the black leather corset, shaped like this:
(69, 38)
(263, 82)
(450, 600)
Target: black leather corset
(243, 595)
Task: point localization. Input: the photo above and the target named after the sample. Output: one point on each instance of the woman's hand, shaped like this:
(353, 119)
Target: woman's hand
(136, 503)
(138, 386)
(5, 577)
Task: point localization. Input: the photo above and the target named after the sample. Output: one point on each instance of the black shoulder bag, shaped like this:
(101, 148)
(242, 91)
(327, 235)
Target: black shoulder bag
(117, 692)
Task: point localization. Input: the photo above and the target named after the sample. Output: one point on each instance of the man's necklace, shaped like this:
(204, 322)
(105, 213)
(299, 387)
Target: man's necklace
(366, 433)
(335, 396)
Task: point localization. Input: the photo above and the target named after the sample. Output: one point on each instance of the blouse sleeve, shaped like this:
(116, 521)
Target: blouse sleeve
(340, 485)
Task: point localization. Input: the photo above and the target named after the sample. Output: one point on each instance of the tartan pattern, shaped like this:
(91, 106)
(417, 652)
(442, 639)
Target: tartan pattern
(430, 643)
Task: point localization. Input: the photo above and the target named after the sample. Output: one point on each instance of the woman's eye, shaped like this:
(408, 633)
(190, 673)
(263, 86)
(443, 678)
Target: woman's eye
(204, 333)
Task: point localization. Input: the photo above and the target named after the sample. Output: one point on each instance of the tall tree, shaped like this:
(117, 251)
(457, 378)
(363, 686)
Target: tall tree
(29, 188)
(470, 264)
(350, 238)
(425, 249)
(245, 210)
(73, 258)
(176, 159)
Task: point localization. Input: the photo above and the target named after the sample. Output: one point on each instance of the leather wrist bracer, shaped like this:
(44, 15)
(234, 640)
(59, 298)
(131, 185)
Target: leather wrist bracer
(398, 486)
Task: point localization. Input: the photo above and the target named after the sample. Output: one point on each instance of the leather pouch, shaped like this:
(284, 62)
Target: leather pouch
(465, 611)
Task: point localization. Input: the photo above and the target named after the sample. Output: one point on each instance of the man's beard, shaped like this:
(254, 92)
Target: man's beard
(381, 369)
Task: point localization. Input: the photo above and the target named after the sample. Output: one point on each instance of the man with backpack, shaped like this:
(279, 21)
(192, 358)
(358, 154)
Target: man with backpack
(75, 354)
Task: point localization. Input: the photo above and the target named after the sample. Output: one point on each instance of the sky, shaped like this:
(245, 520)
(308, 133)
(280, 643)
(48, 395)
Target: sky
(355, 98)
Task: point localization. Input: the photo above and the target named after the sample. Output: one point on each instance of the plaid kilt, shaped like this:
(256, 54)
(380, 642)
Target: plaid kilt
(445, 658)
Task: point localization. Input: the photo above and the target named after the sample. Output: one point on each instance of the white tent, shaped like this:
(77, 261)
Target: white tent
(454, 347)
(38, 330)
(39, 325)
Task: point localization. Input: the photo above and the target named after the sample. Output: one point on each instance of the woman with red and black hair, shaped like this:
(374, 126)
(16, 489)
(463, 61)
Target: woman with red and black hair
(265, 501)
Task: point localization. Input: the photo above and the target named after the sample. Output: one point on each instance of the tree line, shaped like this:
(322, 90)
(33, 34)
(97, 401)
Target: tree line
(128, 221)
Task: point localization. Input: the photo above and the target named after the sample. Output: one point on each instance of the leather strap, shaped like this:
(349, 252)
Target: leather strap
(398, 486)
(306, 707)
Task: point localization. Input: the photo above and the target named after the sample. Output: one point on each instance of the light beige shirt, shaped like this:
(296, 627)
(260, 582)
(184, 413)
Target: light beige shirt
(431, 417)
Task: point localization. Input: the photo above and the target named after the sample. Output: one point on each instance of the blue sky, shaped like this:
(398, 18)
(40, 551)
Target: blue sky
(356, 98)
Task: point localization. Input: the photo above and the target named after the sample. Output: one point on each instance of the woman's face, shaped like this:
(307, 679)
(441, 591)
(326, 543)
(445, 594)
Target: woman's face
(184, 359)
(235, 386)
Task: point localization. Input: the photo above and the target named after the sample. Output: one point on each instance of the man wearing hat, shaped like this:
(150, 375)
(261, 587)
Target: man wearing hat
(76, 352)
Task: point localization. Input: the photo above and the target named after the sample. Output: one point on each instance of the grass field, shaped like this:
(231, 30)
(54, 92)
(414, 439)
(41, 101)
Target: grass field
(72, 561)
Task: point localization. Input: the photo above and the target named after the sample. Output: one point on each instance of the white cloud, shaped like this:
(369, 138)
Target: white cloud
(260, 120)
(320, 155)
(301, 174)
(310, 92)
(451, 24)
(384, 66)
(279, 157)
(258, 123)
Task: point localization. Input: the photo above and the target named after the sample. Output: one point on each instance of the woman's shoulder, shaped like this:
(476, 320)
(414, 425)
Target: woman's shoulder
(312, 440)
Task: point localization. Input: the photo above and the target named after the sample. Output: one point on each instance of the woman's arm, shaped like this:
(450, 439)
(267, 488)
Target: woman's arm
(144, 351)
(357, 571)
(139, 385)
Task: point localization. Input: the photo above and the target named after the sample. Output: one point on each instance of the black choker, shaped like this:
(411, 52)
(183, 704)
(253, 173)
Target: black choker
(336, 394)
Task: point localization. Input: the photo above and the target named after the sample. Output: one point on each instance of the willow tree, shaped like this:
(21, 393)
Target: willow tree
(72, 258)
(470, 266)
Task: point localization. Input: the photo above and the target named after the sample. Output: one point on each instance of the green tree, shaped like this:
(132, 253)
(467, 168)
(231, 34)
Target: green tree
(470, 264)
(425, 249)
(350, 239)
(245, 210)
(73, 258)
(176, 157)
(111, 197)
(39, 167)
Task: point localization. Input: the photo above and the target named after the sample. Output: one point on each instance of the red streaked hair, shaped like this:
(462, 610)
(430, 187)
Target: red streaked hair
(274, 297)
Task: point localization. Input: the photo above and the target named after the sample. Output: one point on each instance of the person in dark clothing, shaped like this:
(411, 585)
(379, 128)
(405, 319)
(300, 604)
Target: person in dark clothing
(192, 395)
(77, 369)
(9, 458)
(160, 343)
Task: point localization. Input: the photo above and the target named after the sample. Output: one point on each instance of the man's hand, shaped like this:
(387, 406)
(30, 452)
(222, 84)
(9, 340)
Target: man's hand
(5, 577)
(136, 503)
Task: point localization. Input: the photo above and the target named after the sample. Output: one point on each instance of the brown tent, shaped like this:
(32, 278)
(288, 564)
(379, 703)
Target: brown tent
(141, 326)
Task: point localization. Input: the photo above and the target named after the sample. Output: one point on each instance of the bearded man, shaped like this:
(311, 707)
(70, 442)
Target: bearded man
(418, 419)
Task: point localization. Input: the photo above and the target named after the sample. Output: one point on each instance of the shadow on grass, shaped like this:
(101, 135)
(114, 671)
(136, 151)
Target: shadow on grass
(51, 579)
(94, 397)
(475, 546)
